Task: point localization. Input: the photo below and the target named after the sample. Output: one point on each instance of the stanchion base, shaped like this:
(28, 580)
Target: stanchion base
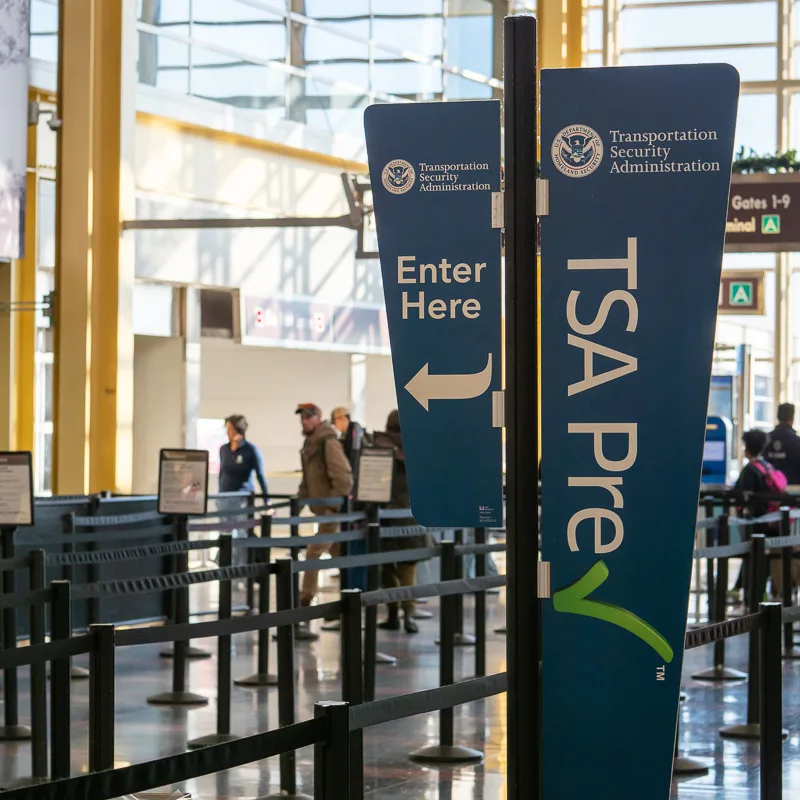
(258, 679)
(301, 635)
(720, 674)
(332, 626)
(501, 630)
(382, 658)
(177, 699)
(446, 754)
(751, 730)
(792, 655)
(688, 766)
(78, 673)
(14, 733)
(421, 613)
(210, 740)
(191, 652)
(281, 796)
(462, 640)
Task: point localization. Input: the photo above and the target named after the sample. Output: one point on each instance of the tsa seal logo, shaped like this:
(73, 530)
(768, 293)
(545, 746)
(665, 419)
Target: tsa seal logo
(577, 151)
(398, 176)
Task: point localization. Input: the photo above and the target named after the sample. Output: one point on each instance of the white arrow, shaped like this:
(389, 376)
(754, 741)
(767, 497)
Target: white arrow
(424, 387)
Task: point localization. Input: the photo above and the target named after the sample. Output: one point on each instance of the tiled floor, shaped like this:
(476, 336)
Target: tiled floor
(144, 732)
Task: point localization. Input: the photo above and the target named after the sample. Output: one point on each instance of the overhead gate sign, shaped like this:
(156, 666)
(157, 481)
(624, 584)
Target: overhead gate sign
(638, 162)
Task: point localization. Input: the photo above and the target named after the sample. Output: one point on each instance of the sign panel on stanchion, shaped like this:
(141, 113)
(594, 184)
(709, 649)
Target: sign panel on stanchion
(183, 482)
(638, 164)
(375, 473)
(435, 175)
(16, 490)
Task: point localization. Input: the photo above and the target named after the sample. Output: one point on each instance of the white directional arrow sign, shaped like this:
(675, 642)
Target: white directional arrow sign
(424, 387)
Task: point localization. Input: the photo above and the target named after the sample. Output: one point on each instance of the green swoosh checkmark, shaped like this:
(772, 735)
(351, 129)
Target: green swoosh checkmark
(572, 600)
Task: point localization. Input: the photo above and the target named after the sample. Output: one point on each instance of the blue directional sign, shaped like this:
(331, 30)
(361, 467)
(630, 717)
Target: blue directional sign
(434, 168)
(638, 164)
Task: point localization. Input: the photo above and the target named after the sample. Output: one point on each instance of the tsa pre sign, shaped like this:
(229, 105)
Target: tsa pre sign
(638, 163)
(434, 168)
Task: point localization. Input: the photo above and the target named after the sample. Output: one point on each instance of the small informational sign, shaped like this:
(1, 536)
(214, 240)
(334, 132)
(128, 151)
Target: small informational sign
(16, 490)
(741, 293)
(375, 471)
(183, 482)
(435, 175)
(763, 213)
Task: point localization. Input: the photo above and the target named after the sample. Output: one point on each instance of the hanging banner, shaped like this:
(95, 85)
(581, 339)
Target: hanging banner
(638, 162)
(435, 173)
(14, 35)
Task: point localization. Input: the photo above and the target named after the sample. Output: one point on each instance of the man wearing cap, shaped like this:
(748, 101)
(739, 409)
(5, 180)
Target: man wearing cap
(351, 433)
(326, 474)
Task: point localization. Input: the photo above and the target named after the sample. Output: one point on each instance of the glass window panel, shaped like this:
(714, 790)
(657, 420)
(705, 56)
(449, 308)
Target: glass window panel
(406, 78)
(593, 59)
(324, 9)
(355, 74)
(468, 43)
(757, 124)
(795, 63)
(239, 83)
(794, 123)
(423, 35)
(236, 26)
(164, 12)
(404, 7)
(699, 25)
(44, 30)
(594, 29)
(163, 63)
(753, 63)
(322, 45)
(46, 224)
(330, 108)
(458, 88)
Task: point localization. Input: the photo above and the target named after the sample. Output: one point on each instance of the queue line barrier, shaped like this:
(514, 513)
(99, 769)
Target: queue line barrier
(336, 729)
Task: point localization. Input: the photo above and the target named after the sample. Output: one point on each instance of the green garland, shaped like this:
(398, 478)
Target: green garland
(752, 163)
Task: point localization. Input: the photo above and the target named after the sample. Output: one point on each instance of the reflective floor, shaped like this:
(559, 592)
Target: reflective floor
(144, 732)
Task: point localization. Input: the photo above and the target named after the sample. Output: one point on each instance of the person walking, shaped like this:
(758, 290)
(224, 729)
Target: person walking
(239, 460)
(782, 449)
(351, 434)
(402, 573)
(326, 474)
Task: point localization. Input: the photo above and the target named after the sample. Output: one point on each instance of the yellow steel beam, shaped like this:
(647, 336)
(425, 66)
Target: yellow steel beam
(574, 33)
(23, 404)
(73, 274)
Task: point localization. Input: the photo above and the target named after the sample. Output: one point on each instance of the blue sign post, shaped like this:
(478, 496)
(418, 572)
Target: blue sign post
(638, 162)
(434, 169)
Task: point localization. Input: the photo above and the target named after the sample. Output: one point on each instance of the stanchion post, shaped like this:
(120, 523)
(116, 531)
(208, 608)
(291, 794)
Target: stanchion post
(480, 608)
(522, 407)
(332, 767)
(756, 585)
(294, 530)
(251, 601)
(344, 572)
(371, 612)
(446, 752)
(458, 572)
(11, 730)
(262, 675)
(101, 698)
(352, 683)
(38, 627)
(786, 579)
(711, 539)
(60, 628)
(772, 733)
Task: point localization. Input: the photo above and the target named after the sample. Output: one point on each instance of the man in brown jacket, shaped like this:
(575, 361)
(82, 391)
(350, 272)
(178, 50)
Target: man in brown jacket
(326, 474)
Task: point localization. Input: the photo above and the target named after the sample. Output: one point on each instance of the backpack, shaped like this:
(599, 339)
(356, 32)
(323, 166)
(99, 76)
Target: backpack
(774, 479)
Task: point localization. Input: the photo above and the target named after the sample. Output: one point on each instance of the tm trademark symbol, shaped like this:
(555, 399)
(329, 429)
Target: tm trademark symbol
(661, 673)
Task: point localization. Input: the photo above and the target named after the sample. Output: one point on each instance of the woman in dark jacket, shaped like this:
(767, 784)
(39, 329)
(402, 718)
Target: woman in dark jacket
(402, 573)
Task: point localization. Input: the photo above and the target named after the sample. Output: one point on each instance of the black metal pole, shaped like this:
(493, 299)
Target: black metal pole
(522, 407)
(179, 696)
(101, 698)
(251, 595)
(223, 733)
(786, 582)
(458, 572)
(711, 539)
(771, 704)
(60, 628)
(480, 608)
(286, 674)
(353, 682)
(38, 672)
(294, 530)
(11, 730)
(446, 751)
(262, 675)
(755, 593)
(332, 767)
